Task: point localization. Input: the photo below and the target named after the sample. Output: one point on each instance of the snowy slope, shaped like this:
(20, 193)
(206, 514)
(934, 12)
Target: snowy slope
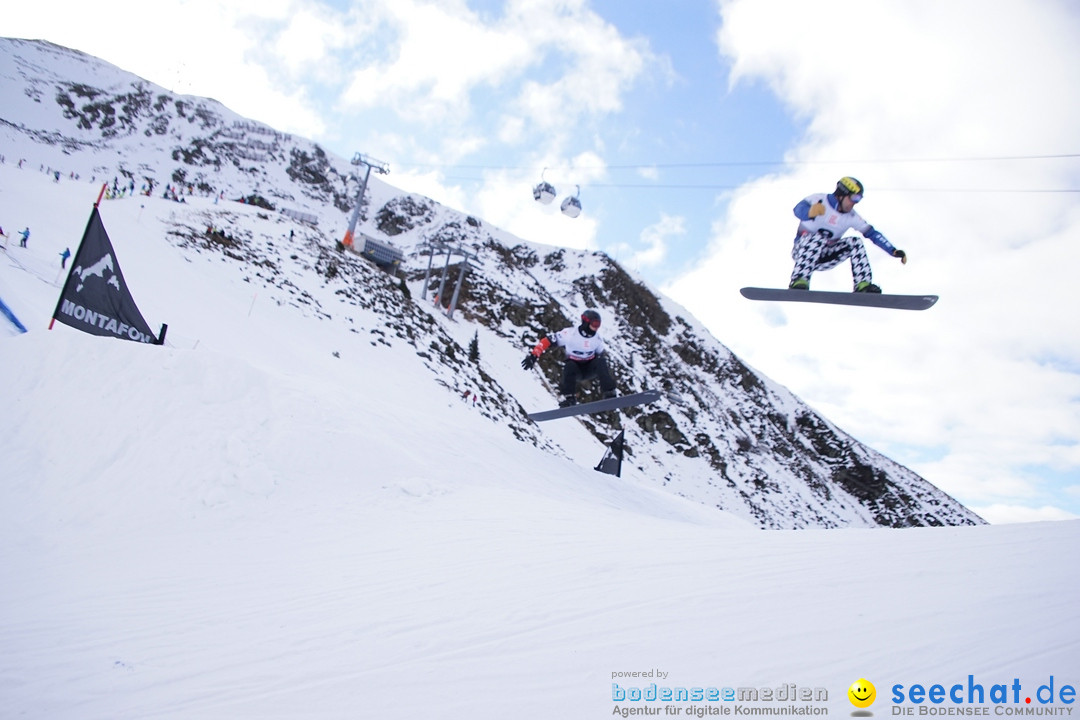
(187, 534)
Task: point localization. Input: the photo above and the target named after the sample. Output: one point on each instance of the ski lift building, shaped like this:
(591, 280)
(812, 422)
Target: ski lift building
(380, 252)
(309, 218)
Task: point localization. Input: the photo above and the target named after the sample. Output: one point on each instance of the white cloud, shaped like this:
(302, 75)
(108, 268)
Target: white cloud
(1002, 514)
(438, 53)
(550, 65)
(655, 239)
(511, 130)
(432, 57)
(308, 34)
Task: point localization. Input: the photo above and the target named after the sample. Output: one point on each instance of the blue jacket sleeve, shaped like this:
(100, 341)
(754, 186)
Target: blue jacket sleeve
(880, 240)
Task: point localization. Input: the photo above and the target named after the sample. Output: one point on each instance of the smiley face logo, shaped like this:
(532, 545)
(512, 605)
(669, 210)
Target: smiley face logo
(862, 693)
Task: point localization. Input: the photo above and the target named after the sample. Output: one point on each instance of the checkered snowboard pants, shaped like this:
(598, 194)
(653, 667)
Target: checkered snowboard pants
(813, 252)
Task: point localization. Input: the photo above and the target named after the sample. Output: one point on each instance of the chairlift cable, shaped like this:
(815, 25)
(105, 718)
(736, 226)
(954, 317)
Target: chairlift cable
(750, 163)
(706, 186)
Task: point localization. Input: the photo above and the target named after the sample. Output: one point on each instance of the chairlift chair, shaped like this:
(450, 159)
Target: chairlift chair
(571, 206)
(544, 192)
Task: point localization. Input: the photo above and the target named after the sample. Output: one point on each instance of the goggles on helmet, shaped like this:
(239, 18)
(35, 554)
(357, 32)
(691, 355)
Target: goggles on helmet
(849, 186)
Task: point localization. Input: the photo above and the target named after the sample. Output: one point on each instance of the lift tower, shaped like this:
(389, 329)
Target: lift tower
(371, 164)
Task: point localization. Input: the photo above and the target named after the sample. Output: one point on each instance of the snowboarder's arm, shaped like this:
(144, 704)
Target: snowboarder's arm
(807, 211)
(536, 352)
(541, 346)
(878, 239)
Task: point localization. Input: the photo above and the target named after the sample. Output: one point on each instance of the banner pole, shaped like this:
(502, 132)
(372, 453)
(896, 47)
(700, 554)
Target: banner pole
(60, 300)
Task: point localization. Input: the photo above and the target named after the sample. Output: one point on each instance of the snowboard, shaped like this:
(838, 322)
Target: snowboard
(589, 408)
(896, 302)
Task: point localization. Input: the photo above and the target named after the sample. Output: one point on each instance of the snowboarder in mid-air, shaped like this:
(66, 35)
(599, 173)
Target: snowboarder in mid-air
(820, 243)
(584, 358)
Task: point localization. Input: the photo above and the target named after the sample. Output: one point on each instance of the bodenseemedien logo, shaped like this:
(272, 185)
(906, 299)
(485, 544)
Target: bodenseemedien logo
(708, 700)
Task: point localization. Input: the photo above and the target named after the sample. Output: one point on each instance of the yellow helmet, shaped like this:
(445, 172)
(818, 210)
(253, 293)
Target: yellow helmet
(849, 186)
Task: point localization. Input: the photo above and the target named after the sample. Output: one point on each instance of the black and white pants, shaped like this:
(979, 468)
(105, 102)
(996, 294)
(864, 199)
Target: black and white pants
(818, 251)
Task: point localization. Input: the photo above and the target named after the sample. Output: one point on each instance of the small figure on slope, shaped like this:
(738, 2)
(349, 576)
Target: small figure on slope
(820, 243)
(584, 358)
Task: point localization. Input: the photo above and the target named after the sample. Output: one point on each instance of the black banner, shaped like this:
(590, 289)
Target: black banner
(611, 463)
(95, 298)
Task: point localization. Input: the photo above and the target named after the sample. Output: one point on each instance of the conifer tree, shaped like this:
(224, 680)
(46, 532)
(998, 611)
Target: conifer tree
(474, 348)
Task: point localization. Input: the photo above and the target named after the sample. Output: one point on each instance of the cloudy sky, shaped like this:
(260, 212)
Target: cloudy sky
(689, 129)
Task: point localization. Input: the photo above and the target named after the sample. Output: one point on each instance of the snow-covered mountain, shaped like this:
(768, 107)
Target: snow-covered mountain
(738, 442)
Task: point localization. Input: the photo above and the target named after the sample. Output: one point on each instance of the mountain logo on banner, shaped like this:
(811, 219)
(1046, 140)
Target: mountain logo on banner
(95, 298)
(98, 270)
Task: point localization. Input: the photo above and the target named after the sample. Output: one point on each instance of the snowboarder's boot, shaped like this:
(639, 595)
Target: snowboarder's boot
(800, 283)
(567, 401)
(867, 287)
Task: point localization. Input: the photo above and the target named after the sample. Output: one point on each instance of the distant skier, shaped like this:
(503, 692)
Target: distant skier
(64, 257)
(585, 358)
(25, 235)
(820, 243)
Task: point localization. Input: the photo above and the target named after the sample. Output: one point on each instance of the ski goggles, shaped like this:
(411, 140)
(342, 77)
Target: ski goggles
(594, 324)
(855, 198)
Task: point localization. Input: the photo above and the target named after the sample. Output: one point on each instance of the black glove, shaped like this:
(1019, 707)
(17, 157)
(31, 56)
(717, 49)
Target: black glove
(528, 362)
(900, 254)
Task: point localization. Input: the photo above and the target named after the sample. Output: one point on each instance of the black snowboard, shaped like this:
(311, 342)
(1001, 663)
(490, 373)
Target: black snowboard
(896, 302)
(599, 406)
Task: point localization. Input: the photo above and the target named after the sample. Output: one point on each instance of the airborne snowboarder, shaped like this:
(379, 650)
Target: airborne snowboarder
(820, 243)
(584, 358)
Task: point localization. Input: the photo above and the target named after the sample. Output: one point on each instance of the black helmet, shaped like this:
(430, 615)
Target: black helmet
(849, 186)
(590, 323)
